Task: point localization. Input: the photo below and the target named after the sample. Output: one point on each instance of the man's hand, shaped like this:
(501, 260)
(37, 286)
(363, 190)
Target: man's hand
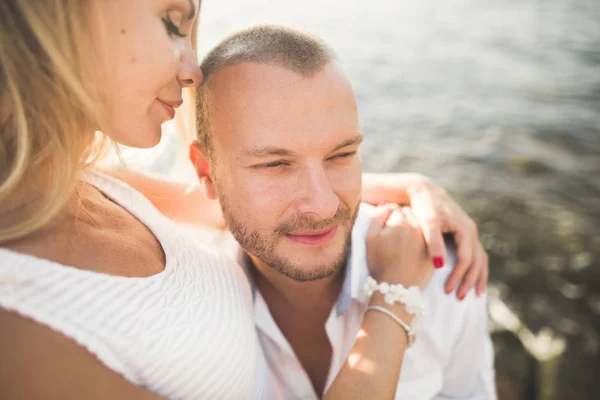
(436, 214)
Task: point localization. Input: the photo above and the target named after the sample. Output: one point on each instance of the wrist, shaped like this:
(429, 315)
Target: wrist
(394, 275)
(418, 183)
(390, 187)
(410, 298)
(399, 309)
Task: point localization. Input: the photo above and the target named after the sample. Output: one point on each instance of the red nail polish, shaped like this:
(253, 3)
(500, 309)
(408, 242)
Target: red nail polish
(438, 262)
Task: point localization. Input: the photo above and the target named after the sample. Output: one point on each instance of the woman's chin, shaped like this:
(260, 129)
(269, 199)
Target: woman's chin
(139, 138)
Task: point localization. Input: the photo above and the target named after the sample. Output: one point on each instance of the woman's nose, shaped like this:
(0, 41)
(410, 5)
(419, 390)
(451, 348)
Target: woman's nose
(190, 74)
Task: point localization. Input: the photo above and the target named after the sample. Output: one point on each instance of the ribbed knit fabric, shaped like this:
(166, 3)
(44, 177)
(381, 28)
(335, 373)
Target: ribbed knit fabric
(185, 333)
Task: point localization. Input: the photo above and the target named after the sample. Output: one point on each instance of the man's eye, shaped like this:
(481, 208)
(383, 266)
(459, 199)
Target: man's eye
(271, 165)
(343, 155)
(274, 164)
(172, 29)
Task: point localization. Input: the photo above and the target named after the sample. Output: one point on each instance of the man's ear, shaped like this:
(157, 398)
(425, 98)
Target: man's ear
(199, 158)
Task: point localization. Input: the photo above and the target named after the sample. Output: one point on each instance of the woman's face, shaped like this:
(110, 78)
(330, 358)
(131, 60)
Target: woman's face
(144, 59)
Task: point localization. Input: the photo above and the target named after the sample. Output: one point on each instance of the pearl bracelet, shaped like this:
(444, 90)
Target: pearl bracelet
(396, 293)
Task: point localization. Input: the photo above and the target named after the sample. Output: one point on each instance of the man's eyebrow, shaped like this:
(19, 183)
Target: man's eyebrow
(192, 12)
(268, 151)
(262, 152)
(349, 142)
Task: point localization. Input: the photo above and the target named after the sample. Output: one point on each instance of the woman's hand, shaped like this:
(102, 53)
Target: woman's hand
(396, 251)
(436, 214)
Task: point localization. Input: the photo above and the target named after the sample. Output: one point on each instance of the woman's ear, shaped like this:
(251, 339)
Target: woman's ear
(199, 158)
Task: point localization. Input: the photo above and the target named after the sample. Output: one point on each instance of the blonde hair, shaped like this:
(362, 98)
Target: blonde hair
(46, 80)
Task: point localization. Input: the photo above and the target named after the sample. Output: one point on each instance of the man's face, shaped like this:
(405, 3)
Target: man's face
(287, 171)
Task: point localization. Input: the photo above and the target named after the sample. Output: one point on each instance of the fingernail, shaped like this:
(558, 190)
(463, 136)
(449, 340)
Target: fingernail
(438, 262)
(461, 297)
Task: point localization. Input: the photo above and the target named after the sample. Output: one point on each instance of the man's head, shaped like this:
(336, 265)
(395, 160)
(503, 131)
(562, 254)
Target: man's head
(278, 136)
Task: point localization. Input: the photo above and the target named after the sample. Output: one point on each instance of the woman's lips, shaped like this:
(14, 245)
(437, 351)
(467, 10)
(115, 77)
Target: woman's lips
(315, 239)
(169, 109)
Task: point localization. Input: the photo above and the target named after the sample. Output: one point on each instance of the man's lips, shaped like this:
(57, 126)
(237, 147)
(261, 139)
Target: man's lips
(314, 238)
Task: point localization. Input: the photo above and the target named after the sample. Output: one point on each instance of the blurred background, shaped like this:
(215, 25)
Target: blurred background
(499, 102)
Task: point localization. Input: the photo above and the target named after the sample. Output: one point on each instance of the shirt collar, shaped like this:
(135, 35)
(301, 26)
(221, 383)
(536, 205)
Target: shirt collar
(244, 261)
(345, 297)
(356, 271)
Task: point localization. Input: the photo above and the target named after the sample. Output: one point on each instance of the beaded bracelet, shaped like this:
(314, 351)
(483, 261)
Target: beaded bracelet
(396, 293)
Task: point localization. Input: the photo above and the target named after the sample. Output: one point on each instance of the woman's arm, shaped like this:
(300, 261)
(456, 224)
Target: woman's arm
(435, 211)
(184, 203)
(373, 368)
(39, 363)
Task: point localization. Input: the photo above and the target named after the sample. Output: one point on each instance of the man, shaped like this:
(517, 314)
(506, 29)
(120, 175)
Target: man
(278, 140)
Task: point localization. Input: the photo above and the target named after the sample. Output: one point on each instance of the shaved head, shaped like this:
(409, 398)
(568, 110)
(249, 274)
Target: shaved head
(293, 49)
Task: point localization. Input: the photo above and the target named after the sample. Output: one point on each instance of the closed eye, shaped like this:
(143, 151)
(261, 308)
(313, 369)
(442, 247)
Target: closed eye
(273, 164)
(343, 155)
(172, 29)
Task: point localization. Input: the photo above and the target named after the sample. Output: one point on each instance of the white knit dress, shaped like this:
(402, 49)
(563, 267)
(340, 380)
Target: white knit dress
(185, 333)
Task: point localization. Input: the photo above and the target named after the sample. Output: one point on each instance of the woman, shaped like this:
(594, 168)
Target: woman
(102, 296)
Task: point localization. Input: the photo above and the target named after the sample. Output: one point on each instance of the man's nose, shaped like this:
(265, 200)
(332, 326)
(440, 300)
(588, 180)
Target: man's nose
(316, 194)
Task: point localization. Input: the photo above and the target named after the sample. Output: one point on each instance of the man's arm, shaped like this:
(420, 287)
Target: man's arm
(470, 373)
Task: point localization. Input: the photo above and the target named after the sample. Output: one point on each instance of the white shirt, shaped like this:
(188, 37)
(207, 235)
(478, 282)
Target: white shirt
(451, 359)
(184, 333)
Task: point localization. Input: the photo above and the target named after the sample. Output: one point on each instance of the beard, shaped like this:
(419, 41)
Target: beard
(262, 245)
